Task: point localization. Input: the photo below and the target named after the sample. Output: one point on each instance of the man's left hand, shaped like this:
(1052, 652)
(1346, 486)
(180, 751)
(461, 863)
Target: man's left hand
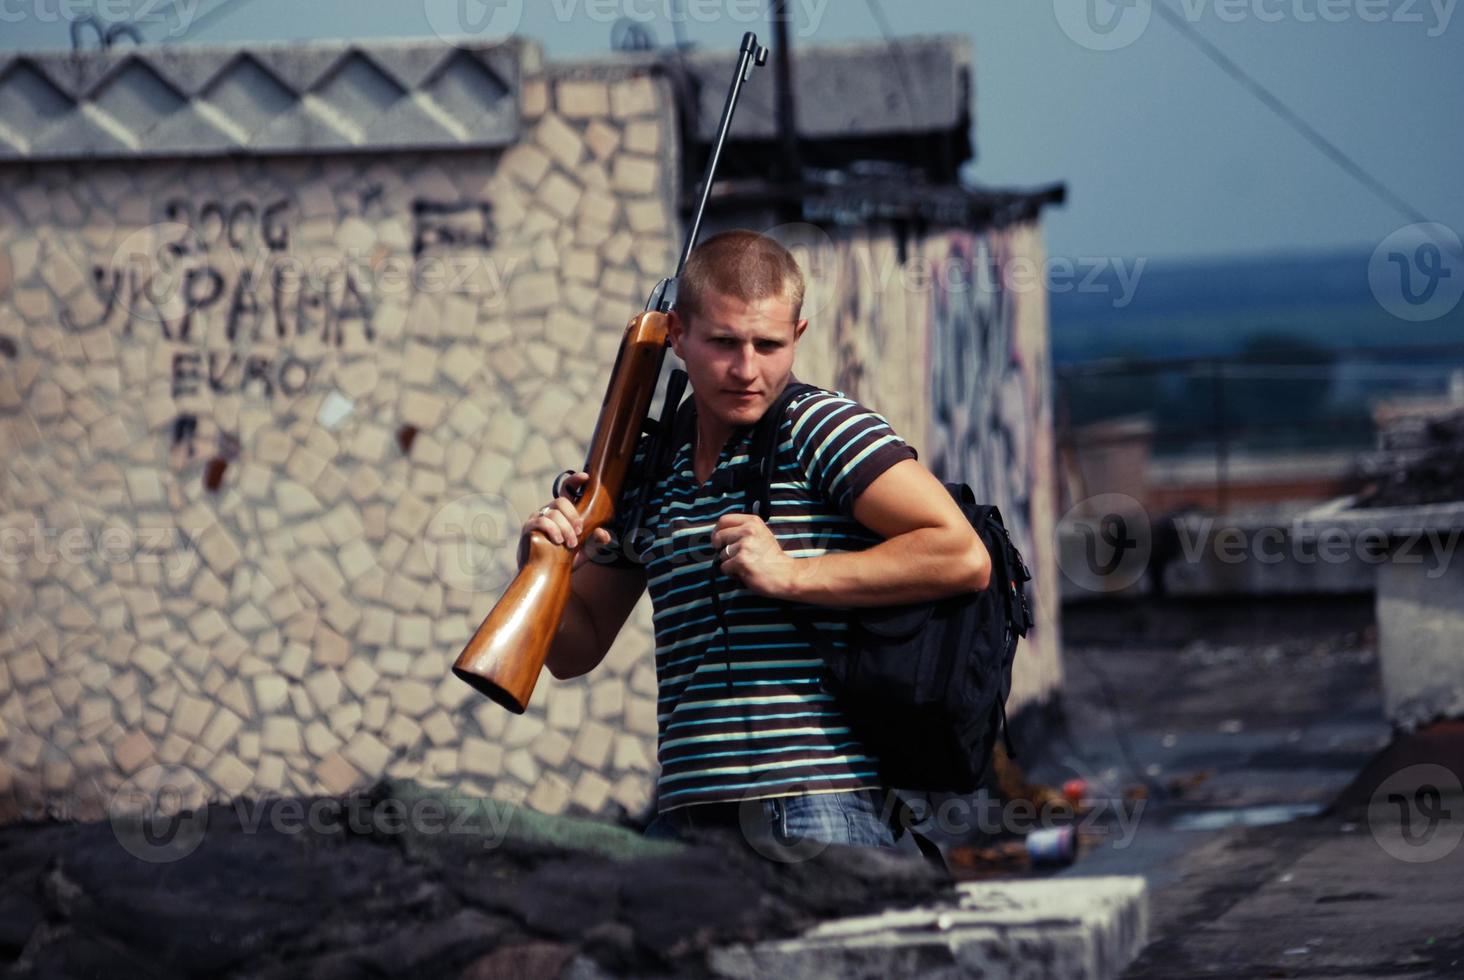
(747, 550)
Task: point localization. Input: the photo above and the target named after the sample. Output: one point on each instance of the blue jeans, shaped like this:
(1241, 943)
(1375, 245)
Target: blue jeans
(788, 827)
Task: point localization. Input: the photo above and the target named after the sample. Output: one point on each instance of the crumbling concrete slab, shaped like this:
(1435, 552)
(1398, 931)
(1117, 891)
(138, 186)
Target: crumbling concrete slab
(1420, 630)
(1420, 604)
(1080, 928)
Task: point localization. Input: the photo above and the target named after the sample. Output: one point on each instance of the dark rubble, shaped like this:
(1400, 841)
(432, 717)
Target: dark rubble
(1420, 460)
(553, 898)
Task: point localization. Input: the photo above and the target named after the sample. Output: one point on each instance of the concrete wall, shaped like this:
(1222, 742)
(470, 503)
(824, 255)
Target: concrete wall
(991, 414)
(1420, 628)
(1419, 601)
(270, 424)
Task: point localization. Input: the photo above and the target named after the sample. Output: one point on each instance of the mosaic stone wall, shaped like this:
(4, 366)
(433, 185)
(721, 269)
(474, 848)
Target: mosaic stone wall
(269, 426)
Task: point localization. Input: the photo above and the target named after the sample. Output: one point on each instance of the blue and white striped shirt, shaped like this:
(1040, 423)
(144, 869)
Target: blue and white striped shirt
(755, 721)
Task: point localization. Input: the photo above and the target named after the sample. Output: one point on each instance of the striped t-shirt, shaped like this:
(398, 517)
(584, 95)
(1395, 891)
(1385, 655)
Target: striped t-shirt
(755, 721)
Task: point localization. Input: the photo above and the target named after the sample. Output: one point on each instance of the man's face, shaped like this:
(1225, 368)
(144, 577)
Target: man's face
(738, 354)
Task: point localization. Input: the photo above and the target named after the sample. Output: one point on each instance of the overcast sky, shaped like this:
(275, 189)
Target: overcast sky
(1165, 156)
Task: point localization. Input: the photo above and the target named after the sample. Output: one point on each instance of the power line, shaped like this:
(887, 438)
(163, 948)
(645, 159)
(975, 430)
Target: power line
(1289, 115)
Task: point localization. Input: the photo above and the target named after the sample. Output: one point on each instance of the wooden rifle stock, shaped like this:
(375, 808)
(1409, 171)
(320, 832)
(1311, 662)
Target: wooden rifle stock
(505, 655)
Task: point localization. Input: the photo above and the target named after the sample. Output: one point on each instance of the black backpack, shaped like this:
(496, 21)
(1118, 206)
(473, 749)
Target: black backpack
(925, 684)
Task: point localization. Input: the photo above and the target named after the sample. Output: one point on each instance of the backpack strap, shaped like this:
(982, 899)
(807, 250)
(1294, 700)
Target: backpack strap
(1009, 575)
(1009, 572)
(666, 435)
(755, 480)
(901, 820)
(763, 453)
(756, 483)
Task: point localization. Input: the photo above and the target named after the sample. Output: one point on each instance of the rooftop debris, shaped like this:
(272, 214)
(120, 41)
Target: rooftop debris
(1419, 460)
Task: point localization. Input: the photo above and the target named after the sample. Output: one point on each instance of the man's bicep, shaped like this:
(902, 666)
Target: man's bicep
(904, 498)
(610, 594)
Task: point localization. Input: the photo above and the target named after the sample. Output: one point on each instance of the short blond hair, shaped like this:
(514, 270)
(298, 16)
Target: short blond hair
(743, 264)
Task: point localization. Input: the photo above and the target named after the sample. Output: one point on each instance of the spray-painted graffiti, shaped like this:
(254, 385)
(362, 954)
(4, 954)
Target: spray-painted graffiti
(849, 369)
(981, 403)
(239, 225)
(468, 224)
(980, 394)
(219, 278)
(170, 302)
(224, 371)
(220, 286)
(214, 283)
(980, 391)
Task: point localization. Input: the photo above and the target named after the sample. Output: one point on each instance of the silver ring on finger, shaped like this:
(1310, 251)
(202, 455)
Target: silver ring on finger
(544, 511)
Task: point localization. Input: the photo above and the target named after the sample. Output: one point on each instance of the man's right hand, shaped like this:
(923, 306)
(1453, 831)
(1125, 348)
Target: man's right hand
(561, 523)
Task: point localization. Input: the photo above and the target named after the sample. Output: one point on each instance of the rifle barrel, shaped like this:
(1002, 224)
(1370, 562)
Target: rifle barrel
(751, 53)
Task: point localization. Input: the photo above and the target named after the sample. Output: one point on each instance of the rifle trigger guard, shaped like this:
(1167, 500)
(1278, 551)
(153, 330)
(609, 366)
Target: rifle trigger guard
(559, 481)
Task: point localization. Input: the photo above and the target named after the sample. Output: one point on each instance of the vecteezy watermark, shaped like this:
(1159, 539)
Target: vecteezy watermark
(469, 542)
(1086, 274)
(161, 814)
(1113, 544)
(768, 830)
(1436, 14)
(1107, 25)
(1199, 539)
(1417, 814)
(160, 273)
(1103, 25)
(1417, 272)
(826, 265)
(818, 259)
(805, 15)
(482, 818)
(113, 544)
(451, 19)
(176, 15)
(456, 19)
(984, 814)
(1107, 542)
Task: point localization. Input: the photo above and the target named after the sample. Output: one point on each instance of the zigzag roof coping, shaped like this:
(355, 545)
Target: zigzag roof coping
(167, 109)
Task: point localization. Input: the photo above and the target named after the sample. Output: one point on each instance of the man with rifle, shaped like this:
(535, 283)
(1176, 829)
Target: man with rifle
(747, 735)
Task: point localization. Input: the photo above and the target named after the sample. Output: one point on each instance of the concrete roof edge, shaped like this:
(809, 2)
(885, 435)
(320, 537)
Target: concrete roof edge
(48, 99)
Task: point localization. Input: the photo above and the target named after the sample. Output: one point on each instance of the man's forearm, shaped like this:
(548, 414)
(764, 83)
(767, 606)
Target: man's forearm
(575, 649)
(927, 563)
